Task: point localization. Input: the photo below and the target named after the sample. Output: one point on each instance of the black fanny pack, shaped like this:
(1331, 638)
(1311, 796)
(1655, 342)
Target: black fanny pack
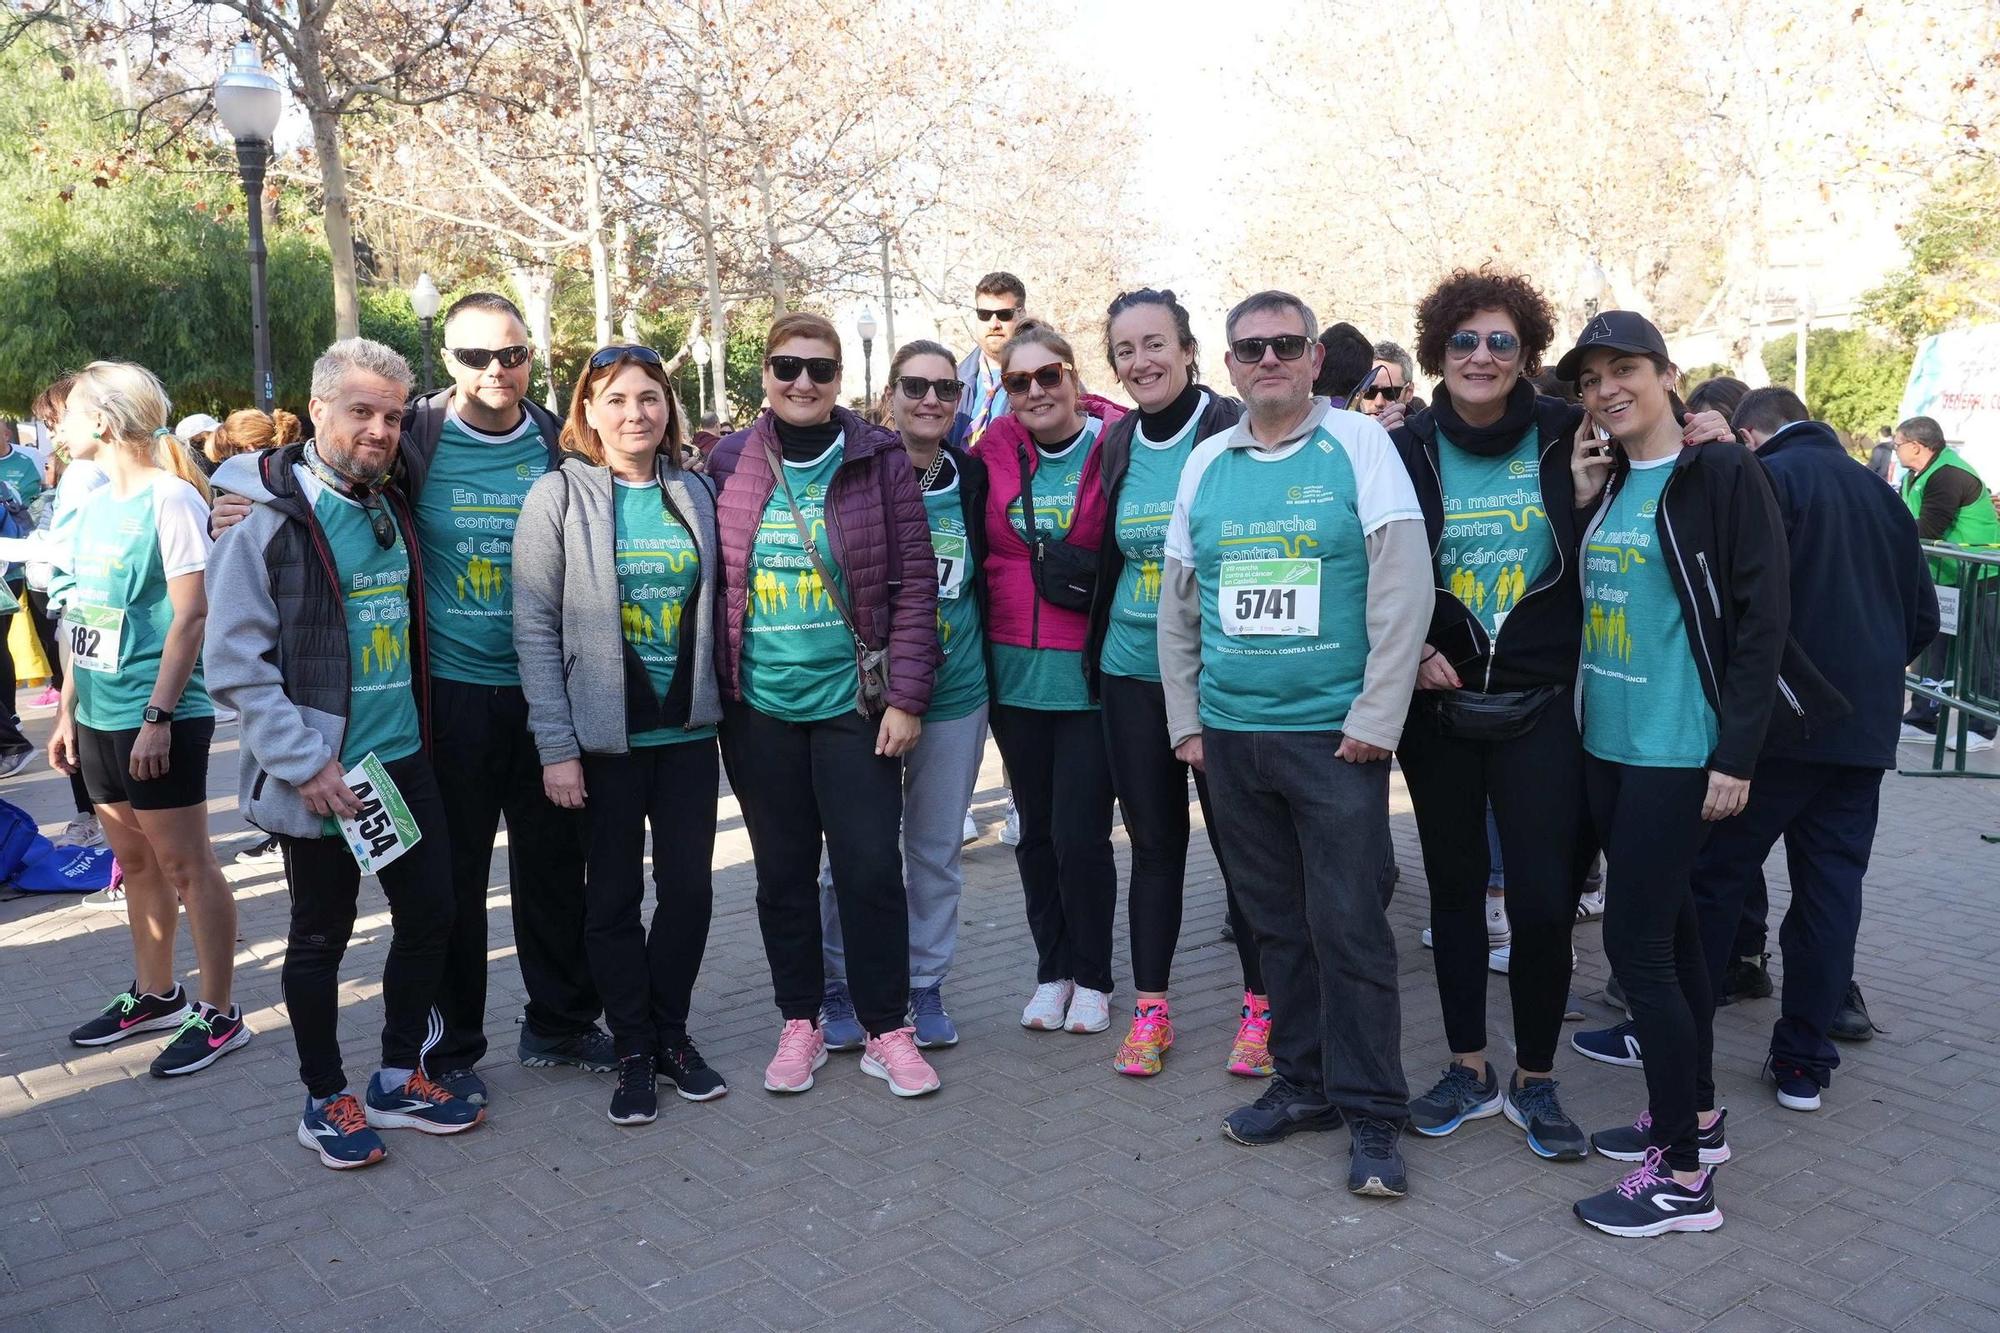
(1065, 574)
(1467, 715)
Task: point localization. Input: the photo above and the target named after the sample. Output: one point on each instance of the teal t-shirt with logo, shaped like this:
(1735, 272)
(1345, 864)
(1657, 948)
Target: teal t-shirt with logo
(1047, 679)
(1145, 504)
(1643, 703)
(20, 470)
(961, 680)
(466, 515)
(1496, 540)
(375, 593)
(118, 614)
(1278, 543)
(658, 564)
(798, 658)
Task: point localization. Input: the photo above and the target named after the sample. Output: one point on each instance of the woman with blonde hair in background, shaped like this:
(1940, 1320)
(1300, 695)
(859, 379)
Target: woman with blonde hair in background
(250, 430)
(136, 719)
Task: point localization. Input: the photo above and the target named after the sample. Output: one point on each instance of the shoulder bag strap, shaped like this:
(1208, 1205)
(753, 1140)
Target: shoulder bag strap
(812, 548)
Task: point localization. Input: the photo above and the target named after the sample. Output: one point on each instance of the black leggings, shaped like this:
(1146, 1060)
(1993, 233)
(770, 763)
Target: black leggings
(1650, 821)
(1535, 784)
(325, 884)
(1152, 796)
(799, 783)
(1062, 789)
(646, 975)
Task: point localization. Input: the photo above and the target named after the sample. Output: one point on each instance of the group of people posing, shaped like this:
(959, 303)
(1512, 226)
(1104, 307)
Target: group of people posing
(442, 609)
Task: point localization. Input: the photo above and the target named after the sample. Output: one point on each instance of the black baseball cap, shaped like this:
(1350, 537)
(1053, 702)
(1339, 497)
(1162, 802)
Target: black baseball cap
(1621, 330)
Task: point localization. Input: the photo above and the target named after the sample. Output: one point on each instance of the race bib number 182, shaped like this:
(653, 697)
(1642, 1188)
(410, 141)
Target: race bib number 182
(94, 633)
(1269, 597)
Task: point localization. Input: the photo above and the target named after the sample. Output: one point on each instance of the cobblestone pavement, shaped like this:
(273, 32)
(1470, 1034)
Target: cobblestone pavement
(1038, 1190)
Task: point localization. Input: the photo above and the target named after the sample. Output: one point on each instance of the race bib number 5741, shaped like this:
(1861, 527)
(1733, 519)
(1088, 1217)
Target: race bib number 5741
(1269, 597)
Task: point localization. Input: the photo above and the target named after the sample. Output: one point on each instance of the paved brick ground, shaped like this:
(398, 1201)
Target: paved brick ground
(1038, 1190)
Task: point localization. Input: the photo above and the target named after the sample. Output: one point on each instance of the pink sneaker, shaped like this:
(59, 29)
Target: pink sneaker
(1250, 1055)
(801, 1051)
(50, 697)
(893, 1057)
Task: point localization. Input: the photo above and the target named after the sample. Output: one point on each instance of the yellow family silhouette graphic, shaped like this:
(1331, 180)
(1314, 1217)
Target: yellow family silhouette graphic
(483, 576)
(1605, 632)
(1509, 586)
(642, 628)
(1147, 587)
(384, 649)
(806, 590)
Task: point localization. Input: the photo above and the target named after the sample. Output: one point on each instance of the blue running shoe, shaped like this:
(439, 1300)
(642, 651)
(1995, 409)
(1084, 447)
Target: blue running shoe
(934, 1026)
(465, 1085)
(1459, 1096)
(1612, 1046)
(838, 1026)
(422, 1105)
(339, 1133)
(589, 1049)
(1533, 1109)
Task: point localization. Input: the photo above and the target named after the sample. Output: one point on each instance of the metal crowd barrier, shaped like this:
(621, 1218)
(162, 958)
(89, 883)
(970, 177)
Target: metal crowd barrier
(1968, 685)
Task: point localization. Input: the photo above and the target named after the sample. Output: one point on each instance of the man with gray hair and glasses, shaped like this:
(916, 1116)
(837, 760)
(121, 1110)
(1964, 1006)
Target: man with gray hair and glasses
(1294, 603)
(1394, 372)
(315, 637)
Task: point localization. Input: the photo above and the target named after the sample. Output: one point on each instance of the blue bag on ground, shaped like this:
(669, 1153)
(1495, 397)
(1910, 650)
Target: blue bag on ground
(33, 864)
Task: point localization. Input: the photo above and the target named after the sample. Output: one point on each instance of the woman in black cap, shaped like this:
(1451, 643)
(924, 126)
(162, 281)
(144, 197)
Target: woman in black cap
(1686, 603)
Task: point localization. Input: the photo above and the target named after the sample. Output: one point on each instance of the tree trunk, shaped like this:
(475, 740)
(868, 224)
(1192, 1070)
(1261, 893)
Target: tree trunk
(628, 298)
(577, 34)
(339, 220)
(718, 330)
(774, 271)
(535, 286)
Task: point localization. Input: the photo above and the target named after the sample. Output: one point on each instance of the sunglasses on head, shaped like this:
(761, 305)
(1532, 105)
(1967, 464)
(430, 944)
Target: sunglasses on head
(819, 369)
(1391, 391)
(1016, 382)
(1005, 314)
(608, 356)
(477, 358)
(914, 388)
(1288, 346)
(1465, 342)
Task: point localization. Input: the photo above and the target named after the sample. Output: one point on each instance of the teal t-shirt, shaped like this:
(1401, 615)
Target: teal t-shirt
(1496, 539)
(20, 470)
(375, 592)
(466, 514)
(658, 564)
(1277, 541)
(1047, 679)
(1643, 703)
(1145, 503)
(798, 658)
(118, 614)
(961, 680)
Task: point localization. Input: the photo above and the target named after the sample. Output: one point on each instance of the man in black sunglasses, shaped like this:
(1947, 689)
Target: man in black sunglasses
(1393, 373)
(999, 304)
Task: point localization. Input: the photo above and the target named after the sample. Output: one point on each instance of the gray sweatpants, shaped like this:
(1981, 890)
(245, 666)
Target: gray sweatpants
(939, 776)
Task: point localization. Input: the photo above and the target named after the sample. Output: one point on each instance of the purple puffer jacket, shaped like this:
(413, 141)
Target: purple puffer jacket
(904, 617)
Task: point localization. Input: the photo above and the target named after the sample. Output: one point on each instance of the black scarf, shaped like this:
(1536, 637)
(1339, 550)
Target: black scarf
(1487, 441)
(1166, 423)
(802, 444)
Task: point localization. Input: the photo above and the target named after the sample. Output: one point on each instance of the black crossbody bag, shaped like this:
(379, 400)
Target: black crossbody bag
(1065, 574)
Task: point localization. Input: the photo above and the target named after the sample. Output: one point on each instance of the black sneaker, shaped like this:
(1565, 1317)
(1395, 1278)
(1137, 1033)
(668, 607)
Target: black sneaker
(589, 1049)
(1285, 1108)
(634, 1102)
(464, 1084)
(130, 1014)
(1746, 979)
(1459, 1096)
(1650, 1202)
(1852, 1023)
(1631, 1143)
(206, 1036)
(1612, 1046)
(1374, 1162)
(681, 1065)
(262, 853)
(1533, 1109)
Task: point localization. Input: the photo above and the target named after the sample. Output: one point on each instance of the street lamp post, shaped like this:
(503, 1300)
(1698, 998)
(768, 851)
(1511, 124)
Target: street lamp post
(424, 299)
(249, 102)
(865, 326)
(699, 351)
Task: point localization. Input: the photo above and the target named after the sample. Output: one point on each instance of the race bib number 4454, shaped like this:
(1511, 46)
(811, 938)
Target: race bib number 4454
(1269, 597)
(95, 633)
(385, 828)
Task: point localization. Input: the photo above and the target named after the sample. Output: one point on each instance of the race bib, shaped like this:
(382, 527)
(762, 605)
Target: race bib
(95, 633)
(385, 828)
(1269, 597)
(951, 561)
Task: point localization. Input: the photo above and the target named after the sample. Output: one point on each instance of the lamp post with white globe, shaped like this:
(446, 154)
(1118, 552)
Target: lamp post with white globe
(865, 326)
(250, 102)
(699, 351)
(425, 299)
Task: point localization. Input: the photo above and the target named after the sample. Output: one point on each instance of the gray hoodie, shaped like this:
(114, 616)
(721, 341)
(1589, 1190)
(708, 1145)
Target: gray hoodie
(575, 667)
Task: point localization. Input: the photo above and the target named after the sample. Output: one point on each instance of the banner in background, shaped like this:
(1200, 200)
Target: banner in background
(1955, 380)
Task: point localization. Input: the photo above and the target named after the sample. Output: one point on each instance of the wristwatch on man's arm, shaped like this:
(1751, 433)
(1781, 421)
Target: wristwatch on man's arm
(153, 714)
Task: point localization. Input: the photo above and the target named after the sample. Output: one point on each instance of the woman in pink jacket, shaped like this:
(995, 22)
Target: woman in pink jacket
(1040, 570)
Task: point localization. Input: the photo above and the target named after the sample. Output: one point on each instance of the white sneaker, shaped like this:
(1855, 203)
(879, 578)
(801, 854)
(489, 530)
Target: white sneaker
(1498, 934)
(1910, 735)
(1045, 1012)
(83, 831)
(1089, 1011)
(1974, 742)
(1590, 906)
(1010, 832)
(971, 828)
(106, 900)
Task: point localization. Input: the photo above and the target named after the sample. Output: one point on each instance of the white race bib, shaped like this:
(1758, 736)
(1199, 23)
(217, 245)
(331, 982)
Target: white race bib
(385, 828)
(1269, 597)
(95, 633)
(952, 557)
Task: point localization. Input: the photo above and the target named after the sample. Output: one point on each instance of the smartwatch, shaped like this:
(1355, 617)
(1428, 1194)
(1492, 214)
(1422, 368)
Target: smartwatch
(153, 714)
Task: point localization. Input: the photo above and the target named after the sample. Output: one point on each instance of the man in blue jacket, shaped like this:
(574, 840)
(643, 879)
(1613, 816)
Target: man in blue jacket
(1862, 607)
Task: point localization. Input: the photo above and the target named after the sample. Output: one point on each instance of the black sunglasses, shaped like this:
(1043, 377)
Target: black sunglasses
(1390, 391)
(914, 388)
(380, 522)
(819, 369)
(1288, 346)
(1465, 342)
(476, 358)
(1004, 314)
(607, 356)
(1016, 382)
